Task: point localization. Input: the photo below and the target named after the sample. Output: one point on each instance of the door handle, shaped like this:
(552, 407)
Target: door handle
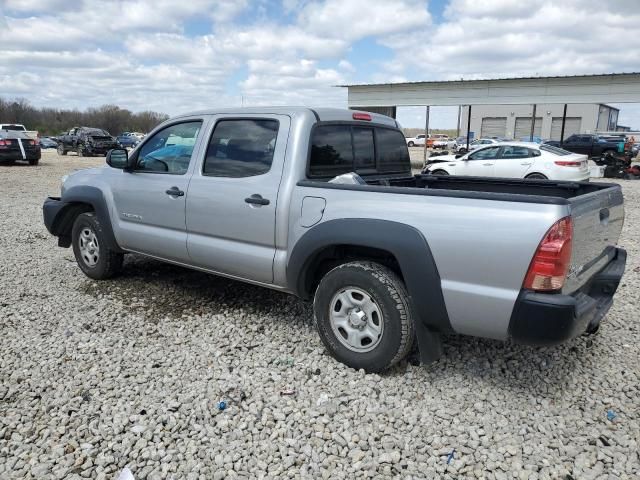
(256, 199)
(525, 163)
(175, 192)
(487, 164)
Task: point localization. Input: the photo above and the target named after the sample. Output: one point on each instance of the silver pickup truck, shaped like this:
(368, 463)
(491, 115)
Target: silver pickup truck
(323, 204)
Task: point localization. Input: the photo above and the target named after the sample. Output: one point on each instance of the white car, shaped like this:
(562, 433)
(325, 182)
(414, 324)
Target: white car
(417, 141)
(480, 142)
(514, 160)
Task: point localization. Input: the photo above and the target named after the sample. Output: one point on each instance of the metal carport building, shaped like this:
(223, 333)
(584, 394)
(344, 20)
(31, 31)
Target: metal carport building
(575, 89)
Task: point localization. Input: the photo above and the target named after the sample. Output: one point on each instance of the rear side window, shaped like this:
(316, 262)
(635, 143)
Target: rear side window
(241, 148)
(342, 148)
(512, 151)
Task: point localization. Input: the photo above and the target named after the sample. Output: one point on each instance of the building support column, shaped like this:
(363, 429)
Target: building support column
(458, 124)
(426, 134)
(468, 126)
(533, 122)
(564, 118)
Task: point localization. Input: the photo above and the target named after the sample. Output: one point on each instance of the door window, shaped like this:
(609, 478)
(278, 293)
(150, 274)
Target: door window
(512, 151)
(241, 148)
(489, 153)
(170, 149)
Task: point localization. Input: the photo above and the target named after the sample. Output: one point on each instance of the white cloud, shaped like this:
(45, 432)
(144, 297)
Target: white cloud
(141, 53)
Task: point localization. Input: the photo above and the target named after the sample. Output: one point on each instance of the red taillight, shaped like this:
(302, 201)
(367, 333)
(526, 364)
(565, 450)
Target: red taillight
(362, 116)
(5, 143)
(550, 264)
(566, 163)
(32, 142)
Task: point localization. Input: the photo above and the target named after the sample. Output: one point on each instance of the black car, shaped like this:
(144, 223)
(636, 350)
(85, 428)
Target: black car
(17, 146)
(127, 141)
(46, 142)
(86, 142)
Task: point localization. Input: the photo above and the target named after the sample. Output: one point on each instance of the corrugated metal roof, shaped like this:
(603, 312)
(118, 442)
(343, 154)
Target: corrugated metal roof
(462, 80)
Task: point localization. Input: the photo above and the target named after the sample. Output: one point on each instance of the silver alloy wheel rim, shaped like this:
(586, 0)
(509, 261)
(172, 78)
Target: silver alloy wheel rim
(89, 248)
(356, 319)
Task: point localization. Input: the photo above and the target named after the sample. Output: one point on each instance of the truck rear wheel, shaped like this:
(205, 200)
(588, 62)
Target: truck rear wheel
(90, 247)
(363, 315)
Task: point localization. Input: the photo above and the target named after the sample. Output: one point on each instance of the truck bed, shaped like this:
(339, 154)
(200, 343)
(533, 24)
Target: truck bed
(596, 209)
(502, 189)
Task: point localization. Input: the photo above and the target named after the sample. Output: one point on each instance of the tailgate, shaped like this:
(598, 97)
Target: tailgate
(597, 222)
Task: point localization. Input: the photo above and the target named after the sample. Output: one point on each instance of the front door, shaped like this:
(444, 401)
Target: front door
(231, 203)
(478, 163)
(150, 201)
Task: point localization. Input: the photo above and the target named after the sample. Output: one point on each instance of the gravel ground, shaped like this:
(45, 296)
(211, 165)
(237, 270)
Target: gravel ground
(96, 376)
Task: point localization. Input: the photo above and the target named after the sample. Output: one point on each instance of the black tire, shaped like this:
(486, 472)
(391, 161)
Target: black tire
(61, 151)
(107, 262)
(80, 151)
(34, 162)
(440, 172)
(537, 176)
(410, 144)
(389, 295)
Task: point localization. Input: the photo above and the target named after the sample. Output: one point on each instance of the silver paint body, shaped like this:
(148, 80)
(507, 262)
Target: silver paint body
(482, 248)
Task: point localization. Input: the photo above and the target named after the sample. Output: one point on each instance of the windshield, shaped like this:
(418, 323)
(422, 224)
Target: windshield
(554, 150)
(14, 128)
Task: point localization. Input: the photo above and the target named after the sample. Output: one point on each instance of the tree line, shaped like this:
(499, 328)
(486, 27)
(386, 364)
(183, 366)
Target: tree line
(54, 121)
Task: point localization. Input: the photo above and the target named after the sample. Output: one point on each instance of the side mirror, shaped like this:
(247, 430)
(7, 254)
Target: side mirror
(118, 158)
(458, 155)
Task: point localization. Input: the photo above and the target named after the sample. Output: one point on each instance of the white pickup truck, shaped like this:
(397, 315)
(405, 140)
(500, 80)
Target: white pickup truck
(18, 127)
(260, 195)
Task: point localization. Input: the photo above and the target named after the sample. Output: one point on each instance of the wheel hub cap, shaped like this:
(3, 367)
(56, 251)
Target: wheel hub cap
(89, 247)
(356, 319)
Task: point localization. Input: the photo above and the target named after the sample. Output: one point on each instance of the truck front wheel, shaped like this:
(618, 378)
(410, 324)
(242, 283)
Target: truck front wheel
(363, 315)
(61, 150)
(90, 247)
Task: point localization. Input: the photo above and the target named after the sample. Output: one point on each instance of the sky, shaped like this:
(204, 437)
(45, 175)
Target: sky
(174, 57)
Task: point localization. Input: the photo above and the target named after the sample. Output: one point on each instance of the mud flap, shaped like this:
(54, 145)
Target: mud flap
(429, 344)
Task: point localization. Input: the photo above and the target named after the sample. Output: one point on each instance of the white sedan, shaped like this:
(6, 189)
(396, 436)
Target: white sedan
(514, 160)
(480, 142)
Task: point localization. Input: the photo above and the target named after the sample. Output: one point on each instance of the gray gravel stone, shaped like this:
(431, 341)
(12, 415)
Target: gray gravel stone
(96, 376)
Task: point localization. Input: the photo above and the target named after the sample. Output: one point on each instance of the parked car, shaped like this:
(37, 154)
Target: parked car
(17, 145)
(18, 127)
(322, 204)
(47, 142)
(417, 141)
(438, 140)
(480, 142)
(127, 141)
(86, 142)
(591, 145)
(514, 160)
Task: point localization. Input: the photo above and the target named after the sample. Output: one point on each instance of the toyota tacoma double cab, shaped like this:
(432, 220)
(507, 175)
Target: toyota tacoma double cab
(86, 142)
(322, 204)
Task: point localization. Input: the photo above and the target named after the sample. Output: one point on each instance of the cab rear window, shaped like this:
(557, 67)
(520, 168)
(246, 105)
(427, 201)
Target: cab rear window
(343, 148)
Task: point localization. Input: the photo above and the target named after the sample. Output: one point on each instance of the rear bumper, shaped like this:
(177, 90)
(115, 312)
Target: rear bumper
(11, 154)
(549, 319)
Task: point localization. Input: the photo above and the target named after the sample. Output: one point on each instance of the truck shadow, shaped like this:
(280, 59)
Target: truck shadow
(159, 291)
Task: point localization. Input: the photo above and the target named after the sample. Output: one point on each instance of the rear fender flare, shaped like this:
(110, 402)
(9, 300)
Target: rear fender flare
(414, 257)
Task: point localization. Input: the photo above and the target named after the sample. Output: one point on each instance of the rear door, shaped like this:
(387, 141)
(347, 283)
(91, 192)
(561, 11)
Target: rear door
(479, 163)
(513, 161)
(231, 203)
